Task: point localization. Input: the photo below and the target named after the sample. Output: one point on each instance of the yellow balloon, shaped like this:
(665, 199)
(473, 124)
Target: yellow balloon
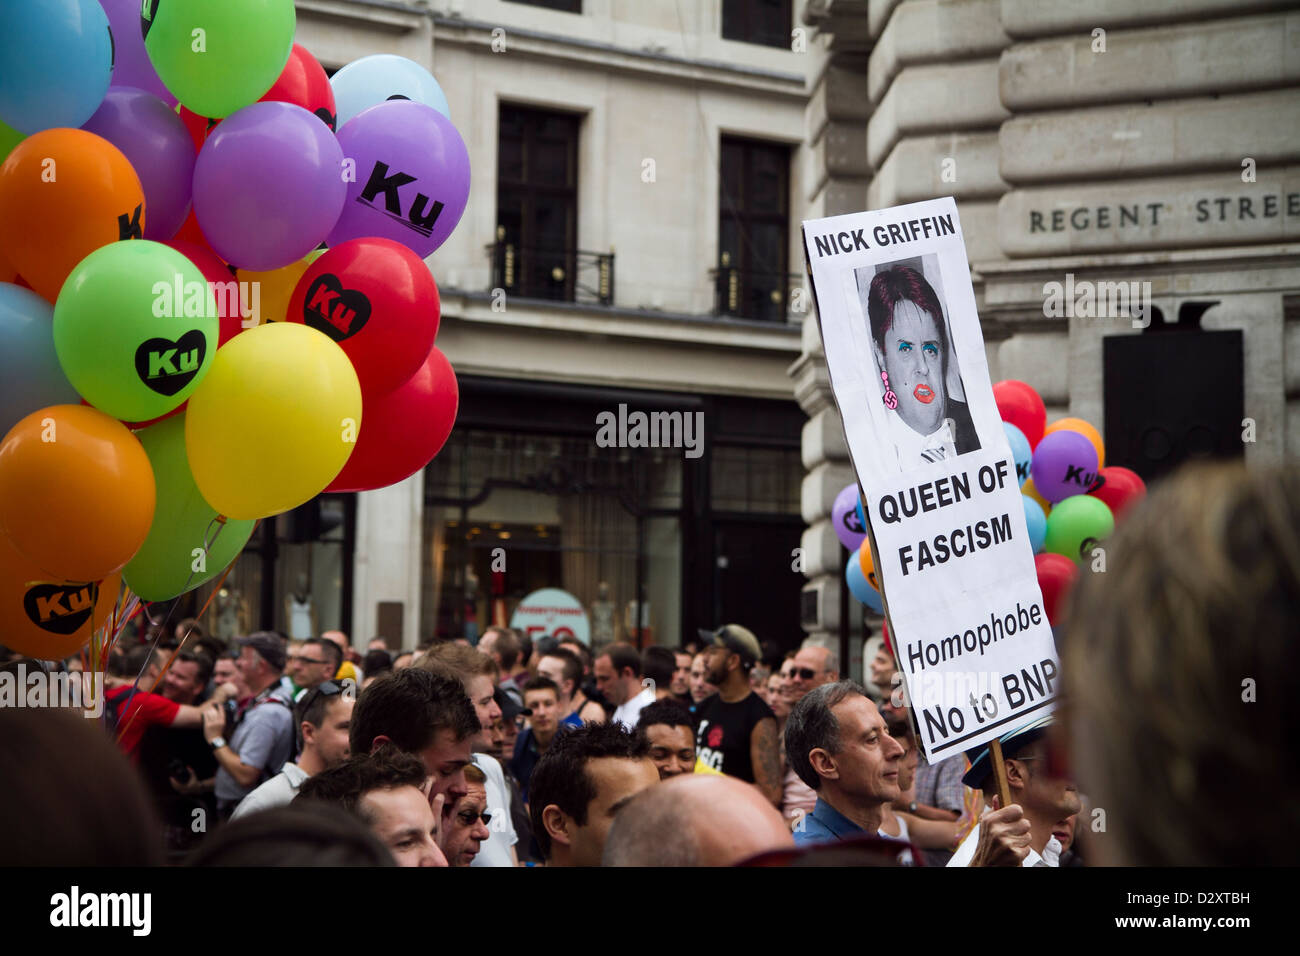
(275, 288)
(1028, 489)
(273, 422)
(1083, 428)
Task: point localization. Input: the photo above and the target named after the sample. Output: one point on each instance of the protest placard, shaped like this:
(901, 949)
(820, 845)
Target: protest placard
(952, 553)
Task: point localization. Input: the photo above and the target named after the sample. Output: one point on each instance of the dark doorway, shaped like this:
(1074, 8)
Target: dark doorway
(754, 583)
(1171, 397)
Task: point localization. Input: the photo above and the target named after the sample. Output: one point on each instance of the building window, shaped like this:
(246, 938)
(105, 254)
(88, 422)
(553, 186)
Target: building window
(564, 6)
(535, 254)
(757, 21)
(753, 279)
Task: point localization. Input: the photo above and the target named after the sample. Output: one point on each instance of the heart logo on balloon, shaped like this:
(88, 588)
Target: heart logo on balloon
(60, 608)
(128, 226)
(338, 312)
(147, 12)
(328, 118)
(166, 366)
(852, 523)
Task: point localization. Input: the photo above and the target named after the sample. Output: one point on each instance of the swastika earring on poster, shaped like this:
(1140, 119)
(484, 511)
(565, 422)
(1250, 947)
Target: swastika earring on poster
(891, 400)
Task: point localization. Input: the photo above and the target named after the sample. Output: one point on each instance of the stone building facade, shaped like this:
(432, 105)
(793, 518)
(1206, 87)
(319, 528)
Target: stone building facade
(1088, 144)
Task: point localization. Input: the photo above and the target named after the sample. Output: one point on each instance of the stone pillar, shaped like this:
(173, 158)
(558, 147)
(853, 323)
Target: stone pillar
(387, 563)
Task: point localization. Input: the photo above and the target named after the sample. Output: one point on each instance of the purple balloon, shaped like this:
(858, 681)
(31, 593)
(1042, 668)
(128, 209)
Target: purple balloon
(131, 66)
(268, 185)
(1064, 464)
(412, 176)
(154, 139)
(845, 521)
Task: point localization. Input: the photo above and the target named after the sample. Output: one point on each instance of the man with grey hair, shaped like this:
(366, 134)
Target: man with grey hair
(837, 742)
(678, 823)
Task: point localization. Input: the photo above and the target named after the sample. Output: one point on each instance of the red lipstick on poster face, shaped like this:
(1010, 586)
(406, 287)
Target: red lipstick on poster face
(923, 394)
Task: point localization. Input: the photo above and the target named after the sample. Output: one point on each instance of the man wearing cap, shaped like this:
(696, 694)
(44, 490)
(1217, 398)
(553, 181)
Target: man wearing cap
(262, 741)
(1042, 801)
(736, 734)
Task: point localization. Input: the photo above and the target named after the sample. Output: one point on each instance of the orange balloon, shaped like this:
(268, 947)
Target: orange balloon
(63, 194)
(44, 617)
(1083, 428)
(76, 492)
(1028, 489)
(867, 565)
(274, 289)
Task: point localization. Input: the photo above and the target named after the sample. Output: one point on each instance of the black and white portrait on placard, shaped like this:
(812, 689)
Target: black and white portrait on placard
(916, 368)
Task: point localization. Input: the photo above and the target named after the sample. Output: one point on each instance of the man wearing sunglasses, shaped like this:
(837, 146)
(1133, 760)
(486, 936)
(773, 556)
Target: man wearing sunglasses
(468, 827)
(324, 716)
(811, 667)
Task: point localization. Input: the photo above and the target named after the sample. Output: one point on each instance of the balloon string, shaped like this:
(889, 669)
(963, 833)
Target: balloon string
(220, 522)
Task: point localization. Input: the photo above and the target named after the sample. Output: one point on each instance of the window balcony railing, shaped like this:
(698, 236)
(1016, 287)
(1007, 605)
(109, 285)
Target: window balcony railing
(746, 294)
(562, 275)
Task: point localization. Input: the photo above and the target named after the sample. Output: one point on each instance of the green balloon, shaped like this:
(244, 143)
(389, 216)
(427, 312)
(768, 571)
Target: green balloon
(217, 56)
(9, 138)
(172, 559)
(135, 329)
(1076, 525)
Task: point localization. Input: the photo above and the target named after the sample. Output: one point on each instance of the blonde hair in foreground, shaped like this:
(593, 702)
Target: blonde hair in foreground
(1182, 674)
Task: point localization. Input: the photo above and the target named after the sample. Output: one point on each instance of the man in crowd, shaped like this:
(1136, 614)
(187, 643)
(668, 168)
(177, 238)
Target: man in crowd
(503, 645)
(131, 711)
(225, 671)
(658, 665)
(564, 667)
(424, 714)
(670, 732)
(315, 661)
(679, 824)
(324, 718)
(812, 667)
(186, 681)
(467, 827)
(681, 682)
(618, 677)
(1045, 800)
(384, 790)
(837, 742)
(580, 783)
(475, 672)
(736, 734)
(701, 689)
(347, 670)
(263, 738)
(542, 700)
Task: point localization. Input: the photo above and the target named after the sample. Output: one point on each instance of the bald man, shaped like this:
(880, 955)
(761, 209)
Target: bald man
(811, 667)
(678, 823)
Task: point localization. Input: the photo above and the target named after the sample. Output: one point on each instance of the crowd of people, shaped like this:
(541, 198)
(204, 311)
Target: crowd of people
(719, 752)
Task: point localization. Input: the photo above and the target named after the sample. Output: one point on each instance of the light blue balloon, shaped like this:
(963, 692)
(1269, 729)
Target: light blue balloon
(862, 515)
(1037, 521)
(56, 60)
(859, 587)
(30, 375)
(375, 79)
(1020, 451)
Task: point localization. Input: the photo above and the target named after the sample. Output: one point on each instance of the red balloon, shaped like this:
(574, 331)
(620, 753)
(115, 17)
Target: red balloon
(1119, 488)
(229, 303)
(1020, 405)
(378, 301)
(402, 430)
(1056, 573)
(190, 231)
(303, 83)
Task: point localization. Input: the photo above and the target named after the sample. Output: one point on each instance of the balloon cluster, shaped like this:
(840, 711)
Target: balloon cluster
(178, 356)
(850, 524)
(1072, 498)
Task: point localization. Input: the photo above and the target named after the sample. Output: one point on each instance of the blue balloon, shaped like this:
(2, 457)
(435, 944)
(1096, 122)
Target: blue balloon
(372, 80)
(859, 587)
(30, 375)
(57, 60)
(1037, 521)
(1020, 451)
(862, 515)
